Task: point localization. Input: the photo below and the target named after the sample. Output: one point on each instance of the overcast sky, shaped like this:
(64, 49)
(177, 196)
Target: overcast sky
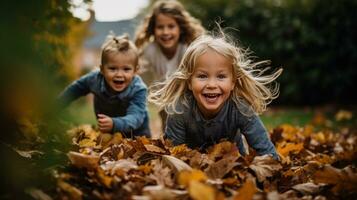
(109, 10)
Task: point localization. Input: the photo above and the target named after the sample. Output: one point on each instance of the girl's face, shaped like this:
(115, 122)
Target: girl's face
(166, 32)
(119, 71)
(212, 82)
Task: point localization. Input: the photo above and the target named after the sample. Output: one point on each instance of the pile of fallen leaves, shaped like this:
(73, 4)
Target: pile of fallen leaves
(313, 165)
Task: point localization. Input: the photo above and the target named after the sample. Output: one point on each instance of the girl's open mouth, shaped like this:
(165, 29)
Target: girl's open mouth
(211, 97)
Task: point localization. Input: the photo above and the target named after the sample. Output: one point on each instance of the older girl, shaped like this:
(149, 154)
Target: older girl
(163, 38)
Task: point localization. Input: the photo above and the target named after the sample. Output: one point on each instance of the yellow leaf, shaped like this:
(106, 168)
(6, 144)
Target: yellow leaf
(180, 149)
(185, 177)
(343, 115)
(285, 148)
(87, 143)
(201, 191)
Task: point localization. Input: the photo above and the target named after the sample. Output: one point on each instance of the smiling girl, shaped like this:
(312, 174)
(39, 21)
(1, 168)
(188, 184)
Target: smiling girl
(119, 94)
(216, 94)
(163, 38)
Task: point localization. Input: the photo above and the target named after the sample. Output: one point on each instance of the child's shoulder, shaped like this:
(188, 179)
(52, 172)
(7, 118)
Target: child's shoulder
(138, 83)
(242, 107)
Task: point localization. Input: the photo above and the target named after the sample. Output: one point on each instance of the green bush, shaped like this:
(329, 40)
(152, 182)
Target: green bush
(314, 41)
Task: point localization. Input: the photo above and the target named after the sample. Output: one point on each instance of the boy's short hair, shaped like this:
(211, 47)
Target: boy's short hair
(119, 44)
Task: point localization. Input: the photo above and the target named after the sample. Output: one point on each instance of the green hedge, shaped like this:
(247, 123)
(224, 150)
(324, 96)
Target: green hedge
(313, 40)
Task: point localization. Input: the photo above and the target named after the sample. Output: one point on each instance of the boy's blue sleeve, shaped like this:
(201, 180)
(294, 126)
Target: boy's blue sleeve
(76, 89)
(175, 129)
(257, 136)
(135, 114)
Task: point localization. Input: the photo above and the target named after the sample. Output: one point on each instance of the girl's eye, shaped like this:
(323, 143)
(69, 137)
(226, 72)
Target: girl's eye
(221, 76)
(159, 27)
(201, 76)
(171, 26)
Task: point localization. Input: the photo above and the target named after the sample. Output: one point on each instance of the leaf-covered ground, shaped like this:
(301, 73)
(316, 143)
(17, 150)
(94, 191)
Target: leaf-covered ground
(314, 164)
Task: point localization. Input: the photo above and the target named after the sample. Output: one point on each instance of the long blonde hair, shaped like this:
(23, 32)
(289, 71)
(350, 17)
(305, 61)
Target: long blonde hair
(190, 27)
(251, 86)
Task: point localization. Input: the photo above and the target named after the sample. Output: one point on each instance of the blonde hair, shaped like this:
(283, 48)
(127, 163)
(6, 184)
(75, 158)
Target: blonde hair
(119, 44)
(190, 28)
(251, 86)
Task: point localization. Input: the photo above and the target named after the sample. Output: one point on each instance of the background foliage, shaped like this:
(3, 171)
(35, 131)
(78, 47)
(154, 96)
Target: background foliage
(313, 40)
(39, 41)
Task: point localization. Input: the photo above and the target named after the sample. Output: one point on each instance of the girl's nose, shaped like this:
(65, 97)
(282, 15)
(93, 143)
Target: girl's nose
(211, 83)
(166, 30)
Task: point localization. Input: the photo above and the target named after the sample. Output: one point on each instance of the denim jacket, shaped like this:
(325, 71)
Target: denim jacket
(127, 108)
(192, 129)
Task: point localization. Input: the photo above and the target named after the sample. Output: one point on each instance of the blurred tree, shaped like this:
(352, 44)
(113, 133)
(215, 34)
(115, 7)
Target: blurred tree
(314, 41)
(39, 41)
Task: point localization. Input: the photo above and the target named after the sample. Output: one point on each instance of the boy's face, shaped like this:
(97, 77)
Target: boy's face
(212, 82)
(119, 71)
(166, 31)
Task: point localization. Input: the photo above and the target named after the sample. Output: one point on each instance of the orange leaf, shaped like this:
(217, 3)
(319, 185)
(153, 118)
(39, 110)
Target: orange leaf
(185, 177)
(247, 191)
(285, 148)
(201, 191)
(345, 179)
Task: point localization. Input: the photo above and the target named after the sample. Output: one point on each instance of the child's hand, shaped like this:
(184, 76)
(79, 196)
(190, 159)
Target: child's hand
(105, 123)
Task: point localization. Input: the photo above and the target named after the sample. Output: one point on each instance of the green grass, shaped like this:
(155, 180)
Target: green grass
(294, 116)
(81, 112)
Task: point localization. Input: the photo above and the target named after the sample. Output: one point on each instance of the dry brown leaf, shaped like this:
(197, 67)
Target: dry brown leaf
(264, 166)
(247, 191)
(81, 160)
(222, 167)
(342, 179)
(222, 149)
(199, 160)
(103, 178)
(201, 191)
(155, 149)
(307, 188)
(185, 177)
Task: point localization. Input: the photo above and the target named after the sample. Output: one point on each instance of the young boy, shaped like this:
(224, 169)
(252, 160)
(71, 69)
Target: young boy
(119, 94)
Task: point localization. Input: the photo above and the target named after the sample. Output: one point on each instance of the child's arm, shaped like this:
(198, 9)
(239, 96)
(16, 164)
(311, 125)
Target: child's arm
(175, 129)
(76, 89)
(135, 114)
(257, 136)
